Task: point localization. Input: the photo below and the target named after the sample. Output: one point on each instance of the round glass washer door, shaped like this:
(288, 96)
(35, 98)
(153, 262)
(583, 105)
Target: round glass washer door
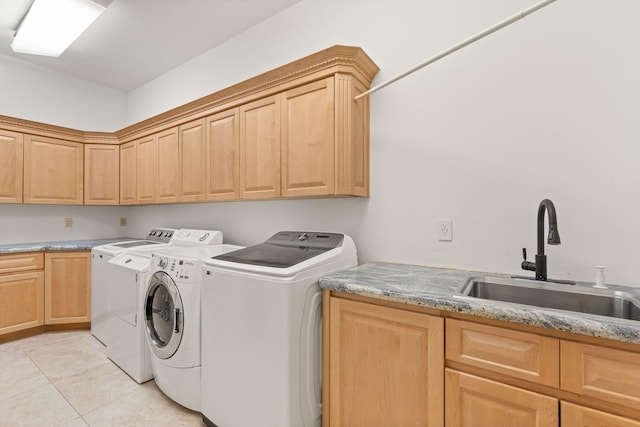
(164, 315)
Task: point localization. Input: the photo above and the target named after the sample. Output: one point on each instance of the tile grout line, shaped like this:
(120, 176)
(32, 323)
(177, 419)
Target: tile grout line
(55, 387)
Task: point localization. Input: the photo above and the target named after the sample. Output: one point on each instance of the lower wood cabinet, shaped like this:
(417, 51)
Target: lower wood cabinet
(385, 366)
(580, 416)
(21, 292)
(67, 287)
(473, 401)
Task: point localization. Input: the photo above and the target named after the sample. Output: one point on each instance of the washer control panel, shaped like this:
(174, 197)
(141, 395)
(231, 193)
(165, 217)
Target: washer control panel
(180, 270)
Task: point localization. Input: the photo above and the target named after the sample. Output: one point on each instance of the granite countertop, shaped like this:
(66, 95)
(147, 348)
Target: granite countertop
(436, 287)
(63, 245)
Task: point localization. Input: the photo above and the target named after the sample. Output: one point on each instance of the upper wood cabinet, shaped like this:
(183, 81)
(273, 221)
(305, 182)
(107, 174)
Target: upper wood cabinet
(308, 140)
(147, 169)
(53, 171)
(11, 163)
(167, 174)
(260, 149)
(101, 174)
(295, 131)
(223, 156)
(128, 174)
(192, 161)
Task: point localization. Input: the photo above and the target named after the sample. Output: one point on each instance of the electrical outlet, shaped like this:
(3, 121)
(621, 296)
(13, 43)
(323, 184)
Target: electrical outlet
(123, 222)
(445, 230)
(68, 222)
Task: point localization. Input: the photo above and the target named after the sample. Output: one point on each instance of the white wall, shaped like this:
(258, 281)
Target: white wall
(38, 223)
(31, 92)
(547, 108)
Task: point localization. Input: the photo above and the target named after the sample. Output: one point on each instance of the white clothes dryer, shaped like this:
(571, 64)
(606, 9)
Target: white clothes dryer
(261, 330)
(172, 314)
(101, 271)
(126, 291)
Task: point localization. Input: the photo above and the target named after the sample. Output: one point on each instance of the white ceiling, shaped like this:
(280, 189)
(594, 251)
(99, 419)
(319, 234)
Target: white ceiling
(134, 41)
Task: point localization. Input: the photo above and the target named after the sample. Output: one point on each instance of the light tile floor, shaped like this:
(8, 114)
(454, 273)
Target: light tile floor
(65, 379)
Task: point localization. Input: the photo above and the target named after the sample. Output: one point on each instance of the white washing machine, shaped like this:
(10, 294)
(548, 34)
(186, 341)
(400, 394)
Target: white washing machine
(126, 291)
(101, 271)
(172, 313)
(261, 330)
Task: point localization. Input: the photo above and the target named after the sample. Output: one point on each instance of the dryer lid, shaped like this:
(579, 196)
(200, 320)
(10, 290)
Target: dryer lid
(285, 249)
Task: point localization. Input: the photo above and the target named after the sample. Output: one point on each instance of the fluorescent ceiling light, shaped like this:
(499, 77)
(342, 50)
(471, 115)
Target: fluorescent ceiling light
(50, 26)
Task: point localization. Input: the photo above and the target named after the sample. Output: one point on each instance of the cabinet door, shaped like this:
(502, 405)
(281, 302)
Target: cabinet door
(308, 149)
(53, 171)
(10, 167)
(21, 301)
(128, 174)
(192, 161)
(167, 167)
(147, 169)
(386, 366)
(260, 149)
(223, 157)
(601, 373)
(580, 416)
(101, 174)
(523, 355)
(473, 401)
(67, 287)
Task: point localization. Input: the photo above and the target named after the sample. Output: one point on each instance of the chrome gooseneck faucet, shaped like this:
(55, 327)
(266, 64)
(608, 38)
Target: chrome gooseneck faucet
(553, 238)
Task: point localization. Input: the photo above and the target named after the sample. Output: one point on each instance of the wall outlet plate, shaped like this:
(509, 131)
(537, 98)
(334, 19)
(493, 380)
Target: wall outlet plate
(445, 230)
(68, 222)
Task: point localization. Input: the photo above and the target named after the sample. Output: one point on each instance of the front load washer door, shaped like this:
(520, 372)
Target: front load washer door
(164, 315)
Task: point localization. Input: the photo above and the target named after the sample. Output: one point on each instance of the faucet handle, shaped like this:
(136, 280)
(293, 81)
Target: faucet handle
(527, 265)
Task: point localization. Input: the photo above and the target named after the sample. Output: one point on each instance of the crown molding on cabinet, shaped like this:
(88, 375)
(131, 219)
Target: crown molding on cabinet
(336, 59)
(42, 129)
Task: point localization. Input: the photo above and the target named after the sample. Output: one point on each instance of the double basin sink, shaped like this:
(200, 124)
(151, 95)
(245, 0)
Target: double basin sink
(613, 302)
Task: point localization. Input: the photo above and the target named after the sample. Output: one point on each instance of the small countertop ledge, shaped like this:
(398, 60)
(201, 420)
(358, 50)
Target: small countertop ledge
(437, 288)
(63, 245)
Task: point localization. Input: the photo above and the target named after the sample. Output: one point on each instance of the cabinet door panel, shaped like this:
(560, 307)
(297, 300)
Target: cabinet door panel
(599, 372)
(11, 163)
(473, 401)
(579, 416)
(128, 174)
(223, 157)
(21, 301)
(53, 171)
(260, 149)
(308, 150)
(67, 287)
(167, 168)
(147, 170)
(386, 366)
(192, 161)
(518, 354)
(11, 263)
(101, 174)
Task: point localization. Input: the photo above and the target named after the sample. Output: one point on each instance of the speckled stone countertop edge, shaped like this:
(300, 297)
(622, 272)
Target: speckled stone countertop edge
(63, 245)
(437, 288)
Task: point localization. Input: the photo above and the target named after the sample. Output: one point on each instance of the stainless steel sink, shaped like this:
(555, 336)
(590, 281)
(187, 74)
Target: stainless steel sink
(580, 298)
